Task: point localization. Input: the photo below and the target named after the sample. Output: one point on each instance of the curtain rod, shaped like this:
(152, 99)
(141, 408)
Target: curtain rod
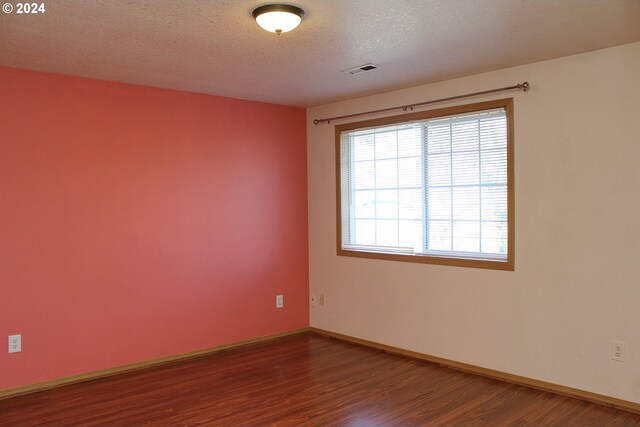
(524, 86)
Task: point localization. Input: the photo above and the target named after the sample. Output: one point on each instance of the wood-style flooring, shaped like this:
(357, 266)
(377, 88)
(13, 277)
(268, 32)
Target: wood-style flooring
(303, 380)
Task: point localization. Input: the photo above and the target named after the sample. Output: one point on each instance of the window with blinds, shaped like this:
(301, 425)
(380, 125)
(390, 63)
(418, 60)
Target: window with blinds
(429, 187)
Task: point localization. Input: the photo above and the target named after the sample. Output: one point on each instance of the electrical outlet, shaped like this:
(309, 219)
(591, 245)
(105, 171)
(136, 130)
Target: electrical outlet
(15, 343)
(279, 301)
(321, 299)
(314, 301)
(617, 350)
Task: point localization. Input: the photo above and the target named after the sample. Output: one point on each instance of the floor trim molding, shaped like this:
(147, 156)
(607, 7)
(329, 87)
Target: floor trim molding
(102, 373)
(499, 375)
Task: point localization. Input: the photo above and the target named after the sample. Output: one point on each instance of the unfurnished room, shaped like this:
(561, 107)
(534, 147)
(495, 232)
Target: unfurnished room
(320, 213)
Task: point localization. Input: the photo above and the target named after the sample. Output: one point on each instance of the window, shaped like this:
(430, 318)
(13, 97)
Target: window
(433, 187)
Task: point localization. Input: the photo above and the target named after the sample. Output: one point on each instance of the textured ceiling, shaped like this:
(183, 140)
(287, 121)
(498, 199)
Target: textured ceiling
(215, 47)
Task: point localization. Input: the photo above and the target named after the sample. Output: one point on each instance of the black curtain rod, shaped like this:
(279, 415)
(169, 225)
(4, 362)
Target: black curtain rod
(524, 86)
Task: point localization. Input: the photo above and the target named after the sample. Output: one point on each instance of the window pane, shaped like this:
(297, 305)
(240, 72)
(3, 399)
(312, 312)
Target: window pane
(437, 186)
(386, 173)
(410, 141)
(363, 175)
(494, 203)
(387, 204)
(466, 168)
(387, 232)
(466, 236)
(466, 203)
(494, 237)
(439, 139)
(439, 235)
(411, 234)
(410, 172)
(439, 169)
(464, 136)
(363, 147)
(494, 167)
(493, 133)
(439, 203)
(365, 204)
(386, 146)
(365, 232)
(410, 204)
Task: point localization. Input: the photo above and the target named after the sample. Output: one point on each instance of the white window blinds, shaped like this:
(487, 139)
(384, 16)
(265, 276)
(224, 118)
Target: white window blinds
(435, 187)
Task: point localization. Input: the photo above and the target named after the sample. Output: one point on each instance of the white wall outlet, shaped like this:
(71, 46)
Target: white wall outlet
(321, 299)
(15, 343)
(279, 301)
(314, 301)
(617, 350)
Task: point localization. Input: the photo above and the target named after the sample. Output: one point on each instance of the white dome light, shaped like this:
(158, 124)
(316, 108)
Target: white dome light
(278, 18)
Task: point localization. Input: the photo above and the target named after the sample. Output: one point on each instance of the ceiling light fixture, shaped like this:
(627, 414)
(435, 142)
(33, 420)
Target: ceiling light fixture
(278, 18)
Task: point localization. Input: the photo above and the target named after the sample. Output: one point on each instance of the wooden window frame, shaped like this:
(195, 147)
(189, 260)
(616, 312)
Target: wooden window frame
(509, 263)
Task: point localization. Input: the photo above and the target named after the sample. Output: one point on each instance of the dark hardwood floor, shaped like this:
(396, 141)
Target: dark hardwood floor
(303, 380)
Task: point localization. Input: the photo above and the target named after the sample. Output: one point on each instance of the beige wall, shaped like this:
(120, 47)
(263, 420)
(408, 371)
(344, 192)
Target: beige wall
(576, 285)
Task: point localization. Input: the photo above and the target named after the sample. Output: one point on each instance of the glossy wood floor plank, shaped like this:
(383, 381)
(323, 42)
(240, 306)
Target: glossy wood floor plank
(303, 380)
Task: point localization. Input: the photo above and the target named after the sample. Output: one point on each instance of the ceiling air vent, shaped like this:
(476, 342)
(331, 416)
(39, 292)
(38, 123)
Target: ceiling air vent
(361, 69)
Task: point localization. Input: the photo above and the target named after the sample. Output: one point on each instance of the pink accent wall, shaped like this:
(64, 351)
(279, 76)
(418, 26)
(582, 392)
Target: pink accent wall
(137, 223)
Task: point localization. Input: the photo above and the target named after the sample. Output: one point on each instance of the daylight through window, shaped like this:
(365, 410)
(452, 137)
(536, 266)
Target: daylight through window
(429, 187)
